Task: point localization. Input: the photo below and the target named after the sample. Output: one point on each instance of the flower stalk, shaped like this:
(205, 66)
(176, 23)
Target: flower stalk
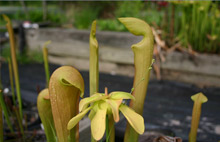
(102, 105)
(143, 52)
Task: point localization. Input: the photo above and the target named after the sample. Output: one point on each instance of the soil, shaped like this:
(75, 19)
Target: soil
(168, 106)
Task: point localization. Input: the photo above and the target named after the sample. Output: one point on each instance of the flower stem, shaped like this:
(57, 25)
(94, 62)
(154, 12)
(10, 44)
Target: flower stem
(107, 129)
(111, 127)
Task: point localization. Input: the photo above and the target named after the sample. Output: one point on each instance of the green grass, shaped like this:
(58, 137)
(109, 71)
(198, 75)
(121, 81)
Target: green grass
(199, 26)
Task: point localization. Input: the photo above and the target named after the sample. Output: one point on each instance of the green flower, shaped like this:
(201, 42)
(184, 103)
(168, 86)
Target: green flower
(102, 104)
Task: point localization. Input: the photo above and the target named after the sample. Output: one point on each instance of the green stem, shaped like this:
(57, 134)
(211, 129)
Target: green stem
(107, 129)
(14, 63)
(111, 127)
(11, 81)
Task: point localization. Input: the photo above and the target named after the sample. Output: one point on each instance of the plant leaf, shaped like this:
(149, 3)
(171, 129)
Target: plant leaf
(135, 119)
(14, 63)
(6, 113)
(46, 64)
(143, 53)
(45, 113)
(198, 99)
(65, 87)
(93, 61)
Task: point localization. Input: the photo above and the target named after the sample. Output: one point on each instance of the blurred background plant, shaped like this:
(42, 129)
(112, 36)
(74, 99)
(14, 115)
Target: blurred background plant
(194, 25)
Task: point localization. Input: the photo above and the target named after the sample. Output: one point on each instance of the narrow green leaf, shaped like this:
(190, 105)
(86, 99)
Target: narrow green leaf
(11, 81)
(93, 61)
(45, 113)
(143, 52)
(198, 99)
(6, 114)
(14, 63)
(46, 64)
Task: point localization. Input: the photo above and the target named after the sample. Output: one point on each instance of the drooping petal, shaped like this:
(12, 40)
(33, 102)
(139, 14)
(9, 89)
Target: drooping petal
(77, 118)
(121, 95)
(84, 102)
(114, 104)
(98, 124)
(135, 120)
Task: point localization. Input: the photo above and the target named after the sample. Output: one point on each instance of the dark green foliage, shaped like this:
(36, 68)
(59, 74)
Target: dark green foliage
(83, 18)
(199, 26)
(110, 25)
(129, 9)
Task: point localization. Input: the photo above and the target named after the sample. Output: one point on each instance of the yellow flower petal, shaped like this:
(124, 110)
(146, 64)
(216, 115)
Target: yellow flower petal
(77, 118)
(84, 102)
(135, 120)
(98, 124)
(93, 111)
(114, 104)
(91, 114)
(121, 95)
